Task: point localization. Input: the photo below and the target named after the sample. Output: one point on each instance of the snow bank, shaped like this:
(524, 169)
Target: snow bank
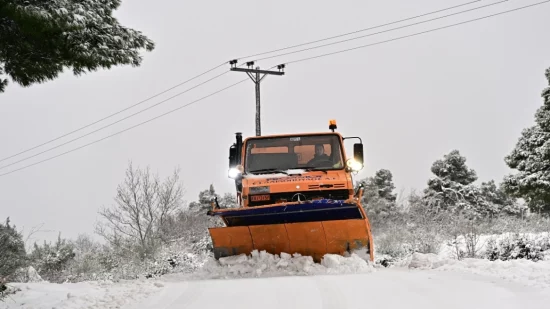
(91, 294)
(27, 274)
(263, 264)
(180, 257)
(425, 261)
(450, 250)
(526, 272)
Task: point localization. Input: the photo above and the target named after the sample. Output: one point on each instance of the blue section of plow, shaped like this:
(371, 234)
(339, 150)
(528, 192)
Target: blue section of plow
(310, 211)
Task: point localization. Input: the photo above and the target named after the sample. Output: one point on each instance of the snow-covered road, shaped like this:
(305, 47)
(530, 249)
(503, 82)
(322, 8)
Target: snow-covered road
(386, 288)
(265, 281)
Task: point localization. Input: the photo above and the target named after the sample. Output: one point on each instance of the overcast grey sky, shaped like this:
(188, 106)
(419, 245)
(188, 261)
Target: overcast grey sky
(473, 87)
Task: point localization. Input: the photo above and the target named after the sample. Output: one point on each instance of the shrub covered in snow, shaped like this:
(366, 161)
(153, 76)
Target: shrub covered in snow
(51, 261)
(180, 236)
(452, 234)
(27, 274)
(12, 253)
(517, 247)
(452, 212)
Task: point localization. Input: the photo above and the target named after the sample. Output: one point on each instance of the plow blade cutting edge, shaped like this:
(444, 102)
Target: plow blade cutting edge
(308, 228)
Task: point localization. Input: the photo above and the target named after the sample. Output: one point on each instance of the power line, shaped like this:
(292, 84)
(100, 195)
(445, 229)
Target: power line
(388, 30)
(127, 129)
(357, 31)
(218, 66)
(111, 115)
(113, 123)
(295, 61)
(146, 108)
(419, 33)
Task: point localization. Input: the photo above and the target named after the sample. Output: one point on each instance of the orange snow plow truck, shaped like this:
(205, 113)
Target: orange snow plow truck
(295, 194)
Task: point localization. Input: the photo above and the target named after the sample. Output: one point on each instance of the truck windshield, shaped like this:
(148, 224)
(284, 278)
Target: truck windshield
(309, 152)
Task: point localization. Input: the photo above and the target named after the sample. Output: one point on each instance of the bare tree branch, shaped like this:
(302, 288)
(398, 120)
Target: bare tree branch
(142, 204)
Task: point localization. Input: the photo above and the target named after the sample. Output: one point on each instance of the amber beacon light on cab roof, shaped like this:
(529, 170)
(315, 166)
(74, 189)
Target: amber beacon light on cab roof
(295, 194)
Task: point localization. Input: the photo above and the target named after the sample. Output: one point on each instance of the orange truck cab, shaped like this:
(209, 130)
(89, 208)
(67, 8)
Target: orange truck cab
(295, 194)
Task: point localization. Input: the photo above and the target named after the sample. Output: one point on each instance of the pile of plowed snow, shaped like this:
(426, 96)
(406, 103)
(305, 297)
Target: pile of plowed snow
(263, 264)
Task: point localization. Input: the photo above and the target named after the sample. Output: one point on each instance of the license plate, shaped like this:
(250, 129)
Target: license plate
(259, 198)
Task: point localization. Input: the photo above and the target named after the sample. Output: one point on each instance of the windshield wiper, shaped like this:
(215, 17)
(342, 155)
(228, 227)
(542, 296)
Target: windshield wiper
(322, 169)
(273, 170)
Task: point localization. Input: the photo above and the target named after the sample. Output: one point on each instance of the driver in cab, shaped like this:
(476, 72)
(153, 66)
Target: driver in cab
(320, 156)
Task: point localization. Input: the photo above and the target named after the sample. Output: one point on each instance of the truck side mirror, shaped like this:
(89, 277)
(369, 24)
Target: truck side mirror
(232, 156)
(358, 152)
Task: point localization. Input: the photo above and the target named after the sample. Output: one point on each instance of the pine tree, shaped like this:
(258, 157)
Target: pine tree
(378, 196)
(40, 38)
(12, 251)
(452, 186)
(496, 200)
(229, 200)
(531, 158)
(206, 197)
(453, 168)
(383, 180)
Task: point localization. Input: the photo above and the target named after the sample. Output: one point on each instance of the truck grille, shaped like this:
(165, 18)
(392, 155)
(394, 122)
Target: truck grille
(287, 196)
(327, 186)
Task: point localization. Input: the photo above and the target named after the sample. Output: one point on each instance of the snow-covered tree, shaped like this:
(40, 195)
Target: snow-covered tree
(52, 261)
(497, 200)
(40, 38)
(143, 205)
(89, 256)
(206, 197)
(451, 188)
(383, 181)
(12, 251)
(191, 225)
(229, 200)
(451, 177)
(378, 196)
(531, 158)
(453, 168)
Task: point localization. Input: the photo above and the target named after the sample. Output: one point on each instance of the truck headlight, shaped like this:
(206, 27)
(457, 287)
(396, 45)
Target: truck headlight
(235, 172)
(354, 165)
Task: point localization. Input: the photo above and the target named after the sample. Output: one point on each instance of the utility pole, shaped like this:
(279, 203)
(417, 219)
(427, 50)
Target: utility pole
(254, 75)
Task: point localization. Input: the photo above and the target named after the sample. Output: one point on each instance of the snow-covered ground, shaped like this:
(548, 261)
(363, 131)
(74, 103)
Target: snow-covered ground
(267, 281)
(95, 294)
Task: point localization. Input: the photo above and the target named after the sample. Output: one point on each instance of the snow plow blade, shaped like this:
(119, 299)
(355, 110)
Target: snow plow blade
(309, 228)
